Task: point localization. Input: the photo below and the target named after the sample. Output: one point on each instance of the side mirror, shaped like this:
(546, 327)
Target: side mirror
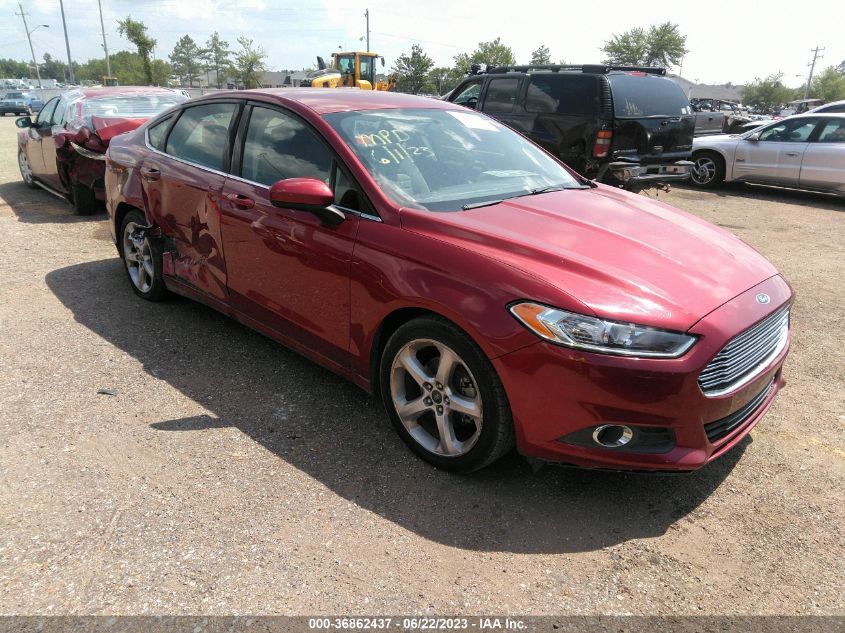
(23, 122)
(754, 137)
(307, 194)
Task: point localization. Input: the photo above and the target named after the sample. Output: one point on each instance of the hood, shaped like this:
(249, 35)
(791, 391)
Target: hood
(623, 255)
(96, 135)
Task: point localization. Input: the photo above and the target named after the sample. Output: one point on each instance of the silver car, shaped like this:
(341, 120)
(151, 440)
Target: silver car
(805, 151)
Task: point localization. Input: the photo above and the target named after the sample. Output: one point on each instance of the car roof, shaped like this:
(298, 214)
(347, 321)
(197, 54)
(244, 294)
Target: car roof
(827, 105)
(327, 100)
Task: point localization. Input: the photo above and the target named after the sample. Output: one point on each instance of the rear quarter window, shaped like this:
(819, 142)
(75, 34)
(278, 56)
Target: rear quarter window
(563, 94)
(646, 95)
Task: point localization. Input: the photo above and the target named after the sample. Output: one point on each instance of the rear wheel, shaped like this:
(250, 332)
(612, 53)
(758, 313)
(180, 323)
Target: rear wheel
(444, 397)
(26, 170)
(708, 170)
(143, 259)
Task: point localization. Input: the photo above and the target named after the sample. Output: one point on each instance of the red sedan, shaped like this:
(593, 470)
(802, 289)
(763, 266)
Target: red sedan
(490, 295)
(63, 149)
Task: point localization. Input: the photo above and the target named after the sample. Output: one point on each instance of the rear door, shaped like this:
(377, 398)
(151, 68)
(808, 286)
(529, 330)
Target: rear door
(823, 164)
(183, 186)
(776, 156)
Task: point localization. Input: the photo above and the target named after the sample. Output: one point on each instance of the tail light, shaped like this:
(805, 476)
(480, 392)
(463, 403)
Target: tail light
(602, 145)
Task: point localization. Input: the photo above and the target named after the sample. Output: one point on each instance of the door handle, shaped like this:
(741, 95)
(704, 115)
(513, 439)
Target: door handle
(240, 201)
(792, 153)
(150, 173)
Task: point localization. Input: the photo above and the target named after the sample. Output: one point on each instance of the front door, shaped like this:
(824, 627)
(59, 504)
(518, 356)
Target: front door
(777, 154)
(286, 269)
(39, 130)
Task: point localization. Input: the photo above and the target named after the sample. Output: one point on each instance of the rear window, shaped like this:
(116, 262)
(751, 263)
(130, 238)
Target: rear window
(140, 106)
(641, 96)
(573, 94)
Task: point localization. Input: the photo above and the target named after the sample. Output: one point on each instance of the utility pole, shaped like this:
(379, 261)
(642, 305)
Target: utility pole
(816, 56)
(29, 39)
(67, 43)
(367, 15)
(105, 46)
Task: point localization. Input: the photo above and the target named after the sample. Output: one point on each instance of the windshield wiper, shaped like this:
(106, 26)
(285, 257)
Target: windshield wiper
(486, 203)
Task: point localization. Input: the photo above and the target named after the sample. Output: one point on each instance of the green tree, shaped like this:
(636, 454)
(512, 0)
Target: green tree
(441, 79)
(13, 69)
(829, 85)
(661, 45)
(249, 63)
(492, 53)
(841, 68)
(218, 56)
(54, 68)
(766, 94)
(136, 32)
(186, 59)
(412, 70)
(541, 56)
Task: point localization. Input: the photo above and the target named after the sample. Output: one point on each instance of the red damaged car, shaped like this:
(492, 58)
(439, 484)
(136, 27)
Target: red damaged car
(63, 149)
(491, 296)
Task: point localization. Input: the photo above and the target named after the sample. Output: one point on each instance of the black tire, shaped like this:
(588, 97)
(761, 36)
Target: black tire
(708, 170)
(157, 291)
(495, 437)
(84, 201)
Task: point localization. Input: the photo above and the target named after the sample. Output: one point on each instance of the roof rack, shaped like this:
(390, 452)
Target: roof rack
(585, 68)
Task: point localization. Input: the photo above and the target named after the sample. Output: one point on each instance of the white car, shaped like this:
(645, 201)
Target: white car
(805, 151)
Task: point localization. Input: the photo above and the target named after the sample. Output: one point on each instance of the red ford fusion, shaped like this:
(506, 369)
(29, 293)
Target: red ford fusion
(492, 297)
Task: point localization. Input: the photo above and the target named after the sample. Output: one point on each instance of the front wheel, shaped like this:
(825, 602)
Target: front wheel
(708, 170)
(26, 170)
(444, 397)
(143, 259)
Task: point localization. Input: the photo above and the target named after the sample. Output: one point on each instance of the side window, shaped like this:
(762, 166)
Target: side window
(501, 94)
(794, 131)
(59, 117)
(157, 133)
(280, 146)
(201, 135)
(468, 96)
(46, 114)
(346, 192)
(833, 132)
(563, 94)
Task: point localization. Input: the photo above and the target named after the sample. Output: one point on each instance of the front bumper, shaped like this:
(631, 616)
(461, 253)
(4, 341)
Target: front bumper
(557, 393)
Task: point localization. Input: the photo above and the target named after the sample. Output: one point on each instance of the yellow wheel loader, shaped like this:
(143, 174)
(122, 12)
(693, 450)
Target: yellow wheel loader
(349, 70)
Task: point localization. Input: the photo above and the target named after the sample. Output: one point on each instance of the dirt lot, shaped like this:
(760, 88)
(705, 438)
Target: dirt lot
(229, 475)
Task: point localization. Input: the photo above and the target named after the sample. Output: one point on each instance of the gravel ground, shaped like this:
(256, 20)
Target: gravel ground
(227, 475)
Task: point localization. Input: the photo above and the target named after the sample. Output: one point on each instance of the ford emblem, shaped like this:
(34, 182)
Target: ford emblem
(763, 298)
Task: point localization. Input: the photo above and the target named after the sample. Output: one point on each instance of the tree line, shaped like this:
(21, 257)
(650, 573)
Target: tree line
(658, 45)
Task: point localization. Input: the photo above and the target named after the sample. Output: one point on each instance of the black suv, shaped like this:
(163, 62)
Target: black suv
(623, 125)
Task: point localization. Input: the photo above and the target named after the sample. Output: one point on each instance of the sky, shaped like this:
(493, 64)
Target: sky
(727, 41)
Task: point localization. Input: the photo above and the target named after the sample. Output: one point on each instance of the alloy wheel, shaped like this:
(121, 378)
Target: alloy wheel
(436, 397)
(138, 258)
(26, 172)
(704, 170)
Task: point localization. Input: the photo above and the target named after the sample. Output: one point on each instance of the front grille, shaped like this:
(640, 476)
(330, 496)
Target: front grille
(745, 355)
(720, 428)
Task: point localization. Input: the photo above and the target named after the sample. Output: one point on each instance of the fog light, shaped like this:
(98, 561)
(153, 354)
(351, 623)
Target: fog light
(612, 435)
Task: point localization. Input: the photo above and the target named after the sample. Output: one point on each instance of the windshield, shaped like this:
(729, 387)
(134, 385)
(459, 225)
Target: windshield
(442, 160)
(641, 95)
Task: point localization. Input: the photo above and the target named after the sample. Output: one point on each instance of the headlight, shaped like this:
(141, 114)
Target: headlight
(600, 335)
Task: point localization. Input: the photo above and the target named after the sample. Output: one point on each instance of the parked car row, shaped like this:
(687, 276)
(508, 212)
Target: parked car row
(491, 296)
(17, 102)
